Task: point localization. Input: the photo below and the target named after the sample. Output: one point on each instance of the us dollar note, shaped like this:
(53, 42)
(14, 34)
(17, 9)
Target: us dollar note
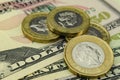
(54, 67)
(14, 19)
(57, 66)
(114, 73)
(111, 23)
(99, 11)
(16, 41)
(114, 3)
(11, 21)
(17, 59)
(115, 39)
(18, 4)
(43, 8)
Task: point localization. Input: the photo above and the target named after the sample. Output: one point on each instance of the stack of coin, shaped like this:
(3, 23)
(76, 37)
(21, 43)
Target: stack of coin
(87, 52)
(61, 21)
(68, 21)
(95, 30)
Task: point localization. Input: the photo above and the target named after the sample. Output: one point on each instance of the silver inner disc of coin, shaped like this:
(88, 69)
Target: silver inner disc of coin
(88, 55)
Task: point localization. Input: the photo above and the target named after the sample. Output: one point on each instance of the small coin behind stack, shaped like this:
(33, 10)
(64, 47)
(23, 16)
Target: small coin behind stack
(88, 56)
(95, 30)
(35, 28)
(68, 20)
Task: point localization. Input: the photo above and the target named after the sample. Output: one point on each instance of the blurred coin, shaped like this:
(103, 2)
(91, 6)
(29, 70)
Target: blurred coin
(68, 20)
(34, 27)
(95, 30)
(88, 56)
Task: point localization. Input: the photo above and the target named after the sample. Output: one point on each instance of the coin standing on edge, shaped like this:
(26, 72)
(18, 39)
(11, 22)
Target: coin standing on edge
(88, 56)
(68, 20)
(35, 28)
(97, 30)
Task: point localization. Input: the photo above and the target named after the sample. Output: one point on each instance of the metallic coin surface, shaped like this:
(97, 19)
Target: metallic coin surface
(98, 31)
(68, 20)
(38, 25)
(88, 56)
(95, 30)
(35, 28)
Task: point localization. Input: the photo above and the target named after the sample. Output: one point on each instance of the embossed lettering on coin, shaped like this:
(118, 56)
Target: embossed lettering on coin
(88, 55)
(38, 25)
(68, 19)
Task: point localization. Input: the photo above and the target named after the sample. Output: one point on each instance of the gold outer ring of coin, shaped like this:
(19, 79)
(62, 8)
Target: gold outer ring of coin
(105, 34)
(34, 36)
(58, 29)
(90, 72)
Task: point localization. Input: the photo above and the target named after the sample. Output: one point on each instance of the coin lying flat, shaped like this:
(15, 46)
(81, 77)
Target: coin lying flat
(88, 56)
(35, 28)
(95, 30)
(68, 21)
(99, 31)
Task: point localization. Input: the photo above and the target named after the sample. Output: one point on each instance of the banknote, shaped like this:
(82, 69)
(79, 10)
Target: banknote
(58, 66)
(11, 21)
(52, 68)
(19, 58)
(114, 3)
(14, 18)
(99, 11)
(43, 8)
(47, 7)
(113, 74)
(111, 24)
(114, 30)
(35, 53)
(13, 27)
(18, 4)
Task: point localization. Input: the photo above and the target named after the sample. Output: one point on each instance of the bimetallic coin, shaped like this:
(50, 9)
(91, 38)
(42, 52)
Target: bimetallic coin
(99, 31)
(35, 28)
(95, 30)
(68, 20)
(88, 56)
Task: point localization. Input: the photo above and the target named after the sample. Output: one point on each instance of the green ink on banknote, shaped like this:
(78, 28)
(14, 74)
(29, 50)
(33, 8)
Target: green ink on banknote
(115, 40)
(100, 17)
(115, 37)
